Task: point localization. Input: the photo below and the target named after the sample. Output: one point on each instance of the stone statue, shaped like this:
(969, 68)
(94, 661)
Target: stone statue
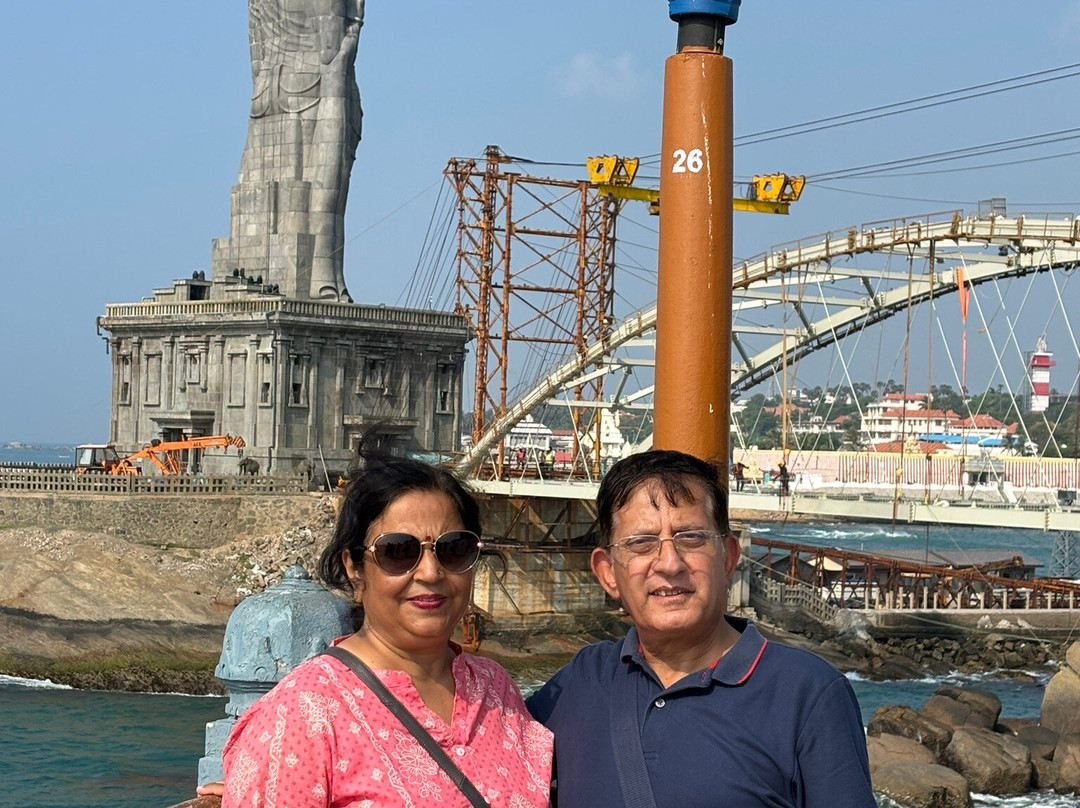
(288, 209)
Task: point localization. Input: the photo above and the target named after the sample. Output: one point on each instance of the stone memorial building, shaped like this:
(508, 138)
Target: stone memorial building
(271, 347)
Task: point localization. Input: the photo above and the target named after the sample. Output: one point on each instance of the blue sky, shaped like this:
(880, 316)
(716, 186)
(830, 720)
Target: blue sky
(125, 121)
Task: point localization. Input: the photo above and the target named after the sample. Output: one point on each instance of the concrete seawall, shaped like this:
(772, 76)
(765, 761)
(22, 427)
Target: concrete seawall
(194, 521)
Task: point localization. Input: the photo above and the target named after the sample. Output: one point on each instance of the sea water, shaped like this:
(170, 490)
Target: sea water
(64, 748)
(40, 454)
(868, 537)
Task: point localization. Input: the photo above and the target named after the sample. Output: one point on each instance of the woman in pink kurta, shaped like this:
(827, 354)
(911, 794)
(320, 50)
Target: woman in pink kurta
(405, 544)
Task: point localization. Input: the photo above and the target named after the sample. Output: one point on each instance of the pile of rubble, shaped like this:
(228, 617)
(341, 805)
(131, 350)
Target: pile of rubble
(972, 653)
(261, 561)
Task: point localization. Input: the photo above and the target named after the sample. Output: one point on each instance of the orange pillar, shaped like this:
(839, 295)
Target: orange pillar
(692, 398)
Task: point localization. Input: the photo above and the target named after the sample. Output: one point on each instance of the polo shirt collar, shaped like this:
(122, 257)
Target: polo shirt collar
(734, 668)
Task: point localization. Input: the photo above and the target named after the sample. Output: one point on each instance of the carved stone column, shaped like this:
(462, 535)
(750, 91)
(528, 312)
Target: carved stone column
(168, 360)
(114, 420)
(251, 393)
(135, 390)
(337, 396)
(282, 347)
(218, 384)
(315, 408)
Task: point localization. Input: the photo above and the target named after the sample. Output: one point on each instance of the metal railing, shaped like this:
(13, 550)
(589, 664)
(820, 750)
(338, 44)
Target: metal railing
(797, 595)
(859, 580)
(307, 308)
(46, 481)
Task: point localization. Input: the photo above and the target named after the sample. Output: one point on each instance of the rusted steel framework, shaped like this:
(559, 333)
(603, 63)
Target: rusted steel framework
(535, 271)
(865, 581)
(532, 522)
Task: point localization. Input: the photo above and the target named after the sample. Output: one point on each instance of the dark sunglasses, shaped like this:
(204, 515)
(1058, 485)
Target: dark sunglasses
(399, 553)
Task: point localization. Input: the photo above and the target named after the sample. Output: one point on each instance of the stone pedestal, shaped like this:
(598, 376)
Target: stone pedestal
(268, 635)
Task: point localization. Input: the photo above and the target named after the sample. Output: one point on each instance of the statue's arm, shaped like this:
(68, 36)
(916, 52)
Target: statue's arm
(336, 29)
(258, 11)
(339, 66)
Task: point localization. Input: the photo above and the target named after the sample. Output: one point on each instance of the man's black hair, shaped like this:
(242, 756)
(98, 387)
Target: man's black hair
(670, 471)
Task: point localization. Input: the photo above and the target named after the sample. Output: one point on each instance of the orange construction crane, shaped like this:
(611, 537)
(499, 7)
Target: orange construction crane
(104, 459)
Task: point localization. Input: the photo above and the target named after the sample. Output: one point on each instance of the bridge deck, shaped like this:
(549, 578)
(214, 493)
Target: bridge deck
(854, 508)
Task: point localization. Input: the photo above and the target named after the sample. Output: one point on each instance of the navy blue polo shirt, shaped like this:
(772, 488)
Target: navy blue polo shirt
(768, 725)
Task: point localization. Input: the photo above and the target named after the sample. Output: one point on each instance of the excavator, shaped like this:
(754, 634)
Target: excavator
(102, 458)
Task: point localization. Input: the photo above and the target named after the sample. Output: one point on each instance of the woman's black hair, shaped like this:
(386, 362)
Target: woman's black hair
(375, 481)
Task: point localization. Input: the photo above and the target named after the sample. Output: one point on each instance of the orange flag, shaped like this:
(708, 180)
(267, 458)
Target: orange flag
(962, 290)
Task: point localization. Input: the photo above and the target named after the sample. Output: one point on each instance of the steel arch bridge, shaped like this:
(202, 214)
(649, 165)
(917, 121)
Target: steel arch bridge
(821, 298)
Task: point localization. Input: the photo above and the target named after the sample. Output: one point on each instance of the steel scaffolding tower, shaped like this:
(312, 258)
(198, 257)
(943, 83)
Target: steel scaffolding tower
(535, 271)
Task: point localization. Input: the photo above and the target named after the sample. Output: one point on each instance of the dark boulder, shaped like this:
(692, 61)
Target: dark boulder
(981, 702)
(891, 750)
(992, 763)
(1067, 757)
(1040, 740)
(1014, 725)
(922, 785)
(903, 721)
(958, 707)
(1047, 774)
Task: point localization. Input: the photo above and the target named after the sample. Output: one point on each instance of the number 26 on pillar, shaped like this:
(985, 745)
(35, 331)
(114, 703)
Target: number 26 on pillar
(687, 161)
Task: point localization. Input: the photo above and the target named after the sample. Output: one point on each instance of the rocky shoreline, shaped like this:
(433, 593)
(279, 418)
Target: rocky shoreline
(972, 654)
(958, 743)
(155, 657)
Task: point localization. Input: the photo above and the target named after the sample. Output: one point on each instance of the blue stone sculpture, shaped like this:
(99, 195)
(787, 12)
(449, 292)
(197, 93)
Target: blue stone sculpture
(268, 635)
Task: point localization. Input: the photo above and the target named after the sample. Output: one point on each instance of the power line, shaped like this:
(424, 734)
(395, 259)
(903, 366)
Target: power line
(893, 196)
(900, 107)
(863, 116)
(525, 160)
(898, 173)
(951, 154)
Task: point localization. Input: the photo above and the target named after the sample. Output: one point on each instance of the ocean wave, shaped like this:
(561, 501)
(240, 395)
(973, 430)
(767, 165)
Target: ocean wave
(846, 534)
(31, 684)
(962, 678)
(1038, 799)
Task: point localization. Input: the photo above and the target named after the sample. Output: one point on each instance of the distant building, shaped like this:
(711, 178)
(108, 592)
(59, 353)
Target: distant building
(897, 416)
(903, 423)
(529, 434)
(296, 379)
(613, 444)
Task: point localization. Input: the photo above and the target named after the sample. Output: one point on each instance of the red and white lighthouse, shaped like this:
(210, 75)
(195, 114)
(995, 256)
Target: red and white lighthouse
(1039, 363)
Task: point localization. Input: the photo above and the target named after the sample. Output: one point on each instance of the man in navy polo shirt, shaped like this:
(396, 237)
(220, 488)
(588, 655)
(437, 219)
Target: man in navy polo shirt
(693, 706)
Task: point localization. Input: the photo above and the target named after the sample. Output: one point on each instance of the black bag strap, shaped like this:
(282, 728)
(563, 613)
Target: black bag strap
(626, 743)
(411, 724)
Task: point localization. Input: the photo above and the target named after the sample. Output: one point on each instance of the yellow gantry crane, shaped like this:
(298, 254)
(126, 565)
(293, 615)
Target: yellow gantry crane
(614, 176)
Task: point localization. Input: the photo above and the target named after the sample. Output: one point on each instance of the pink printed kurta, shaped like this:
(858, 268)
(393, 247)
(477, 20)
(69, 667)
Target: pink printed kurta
(321, 738)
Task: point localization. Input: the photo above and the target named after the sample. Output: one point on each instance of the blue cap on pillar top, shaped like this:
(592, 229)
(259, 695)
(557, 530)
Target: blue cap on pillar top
(272, 632)
(728, 9)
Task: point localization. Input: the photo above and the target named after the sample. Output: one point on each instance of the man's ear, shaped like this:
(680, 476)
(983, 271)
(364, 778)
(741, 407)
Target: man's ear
(731, 555)
(604, 570)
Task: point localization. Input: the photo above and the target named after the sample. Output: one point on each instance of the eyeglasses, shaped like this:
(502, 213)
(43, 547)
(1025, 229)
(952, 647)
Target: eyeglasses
(400, 553)
(685, 541)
